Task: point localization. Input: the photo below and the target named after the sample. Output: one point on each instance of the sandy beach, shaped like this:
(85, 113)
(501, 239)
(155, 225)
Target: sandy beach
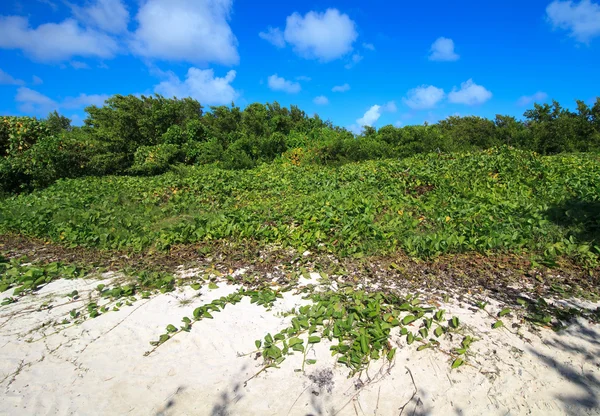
(99, 366)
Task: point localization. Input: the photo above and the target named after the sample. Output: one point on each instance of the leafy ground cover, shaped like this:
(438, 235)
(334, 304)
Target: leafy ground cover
(501, 200)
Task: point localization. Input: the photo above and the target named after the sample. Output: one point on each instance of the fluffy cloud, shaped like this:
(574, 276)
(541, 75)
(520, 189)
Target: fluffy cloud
(7, 79)
(200, 84)
(469, 94)
(34, 102)
(424, 97)
(528, 99)
(49, 3)
(108, 15)
(79, 65)
(181, 30)
(341, 88)
(389, 107)
(324, 36)
(277, 83)
(356, 58)
(37, 80)
(443, 50)
(274, 36)
(581, 19)
(84, 100)
(54, 41)
(321, 100)
(372, 115)
(303, 78)
(369, 46)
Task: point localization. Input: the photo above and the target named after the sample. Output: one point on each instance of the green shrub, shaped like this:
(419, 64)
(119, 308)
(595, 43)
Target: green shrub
(174, 135)
(196, 131)
(236, 158)
(197, 153)
(17, 134)
(153, 160)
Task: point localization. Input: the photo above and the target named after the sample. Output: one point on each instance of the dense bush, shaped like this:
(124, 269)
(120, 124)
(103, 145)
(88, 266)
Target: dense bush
(145, 135)
(152, 160)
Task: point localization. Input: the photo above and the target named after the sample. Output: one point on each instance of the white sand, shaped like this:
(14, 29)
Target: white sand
(99, 367)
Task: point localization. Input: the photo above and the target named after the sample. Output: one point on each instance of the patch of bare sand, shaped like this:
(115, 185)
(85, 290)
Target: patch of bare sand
(99, 366)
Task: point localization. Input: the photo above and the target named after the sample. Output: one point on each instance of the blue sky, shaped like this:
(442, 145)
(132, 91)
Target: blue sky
(392, 62)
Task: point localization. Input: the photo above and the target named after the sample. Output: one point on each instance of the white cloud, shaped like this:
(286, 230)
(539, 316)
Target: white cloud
(202, 85)
(398, 123)
(370, 117)
(469, 94)
(277, 83)
(34, 102)
(356, 58)
(52, 5)
(321, 100)
(424, 97)
(37, 80)
(108, 15)
(389, 107)
(581, 19)
(324, 36)
(79, 65)
(181, 30)
(341, 88)
(369, 46)
(274, 36)
(443, 50)
(84, 100)
(54, 41)
(7, 79)
(303, 78)
(539, 96)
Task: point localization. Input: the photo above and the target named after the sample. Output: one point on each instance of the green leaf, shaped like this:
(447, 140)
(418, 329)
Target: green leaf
(457, 363)
(497, 324)
(213, 285)
(310, 362)
(294, 341)
(438, 331)
(454, 322)
(171, 328)
(408, 319)
(196, 286)
(314, 340)
(258, 343)
(503, 312)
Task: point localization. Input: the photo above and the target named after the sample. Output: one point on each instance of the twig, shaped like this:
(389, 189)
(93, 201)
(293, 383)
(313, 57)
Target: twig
(413, 395)
(377, 406)
(119, 323)
(256, 375)
(298, 398)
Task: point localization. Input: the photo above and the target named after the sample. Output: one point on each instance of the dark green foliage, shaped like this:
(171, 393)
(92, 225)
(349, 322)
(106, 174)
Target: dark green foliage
(152, 160)
(128, 122)
(146, 135)
(202, 153)
(57, 123)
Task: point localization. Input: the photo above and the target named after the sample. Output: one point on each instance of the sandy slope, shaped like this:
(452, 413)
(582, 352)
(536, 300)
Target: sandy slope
(99, 367)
